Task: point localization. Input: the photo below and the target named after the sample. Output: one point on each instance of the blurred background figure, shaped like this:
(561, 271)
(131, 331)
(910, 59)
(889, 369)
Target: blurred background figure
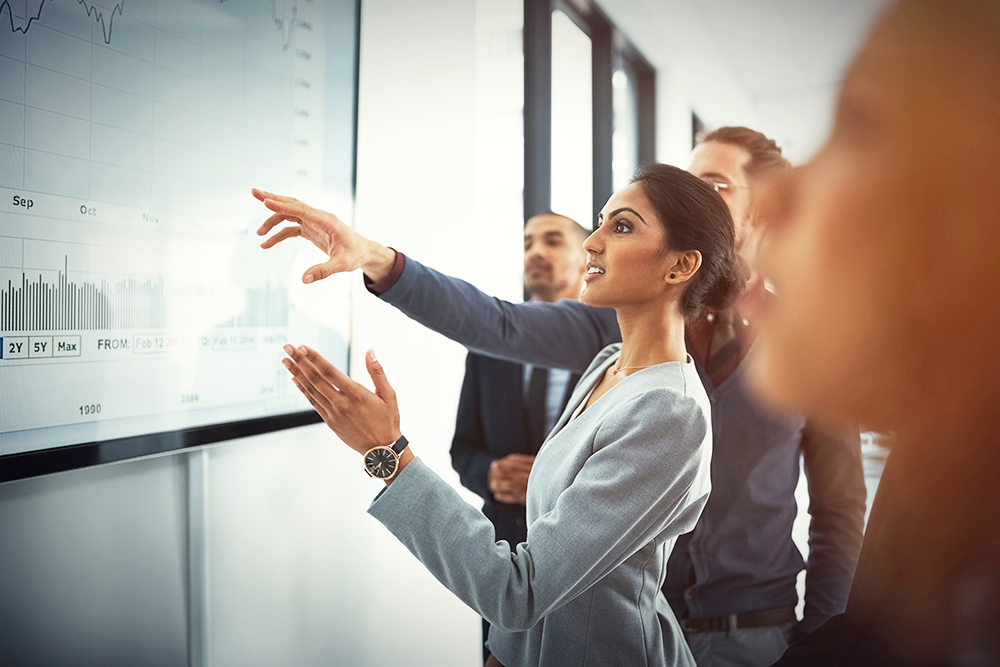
(732, 580)
(882, 254)
(506, 409)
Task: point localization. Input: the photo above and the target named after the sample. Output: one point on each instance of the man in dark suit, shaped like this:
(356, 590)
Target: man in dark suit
(506, 409)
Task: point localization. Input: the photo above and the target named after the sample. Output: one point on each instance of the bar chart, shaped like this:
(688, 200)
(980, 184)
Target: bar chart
(133, 294)
(36, 305)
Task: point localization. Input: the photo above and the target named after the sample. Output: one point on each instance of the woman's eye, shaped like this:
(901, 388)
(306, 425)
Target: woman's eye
(621, 228)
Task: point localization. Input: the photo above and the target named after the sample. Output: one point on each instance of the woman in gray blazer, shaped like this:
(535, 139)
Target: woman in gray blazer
(623, 473)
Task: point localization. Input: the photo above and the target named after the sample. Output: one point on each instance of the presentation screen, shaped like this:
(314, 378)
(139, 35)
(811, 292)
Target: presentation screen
(134, 297)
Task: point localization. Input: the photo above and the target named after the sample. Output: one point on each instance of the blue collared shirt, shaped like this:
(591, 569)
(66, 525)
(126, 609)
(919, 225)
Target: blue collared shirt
(555, 393)
(740, 557)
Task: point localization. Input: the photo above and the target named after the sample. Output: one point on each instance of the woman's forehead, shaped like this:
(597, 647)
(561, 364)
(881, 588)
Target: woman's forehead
(631, 196)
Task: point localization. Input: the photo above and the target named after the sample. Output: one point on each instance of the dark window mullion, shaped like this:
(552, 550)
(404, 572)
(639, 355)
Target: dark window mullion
(537, 107)
(646, 108)
(644, 77)
(602, 68)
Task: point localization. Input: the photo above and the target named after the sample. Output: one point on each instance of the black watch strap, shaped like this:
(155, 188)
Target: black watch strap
(400, 445)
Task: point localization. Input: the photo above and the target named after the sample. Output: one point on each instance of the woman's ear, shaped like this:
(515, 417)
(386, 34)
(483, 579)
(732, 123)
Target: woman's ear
(682, 266)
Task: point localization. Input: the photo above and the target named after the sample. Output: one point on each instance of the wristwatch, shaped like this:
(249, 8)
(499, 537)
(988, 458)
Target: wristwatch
(382, 462)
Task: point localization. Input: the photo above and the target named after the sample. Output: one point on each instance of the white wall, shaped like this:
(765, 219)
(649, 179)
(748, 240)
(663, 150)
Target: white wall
(435, 153)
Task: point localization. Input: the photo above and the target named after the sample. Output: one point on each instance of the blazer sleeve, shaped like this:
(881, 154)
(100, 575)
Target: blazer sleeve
(837, 495)
(644, 479)
(470, 456)
(565, 334)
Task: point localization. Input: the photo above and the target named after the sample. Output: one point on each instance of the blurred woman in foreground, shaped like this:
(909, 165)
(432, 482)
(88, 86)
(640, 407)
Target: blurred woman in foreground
(885, 263)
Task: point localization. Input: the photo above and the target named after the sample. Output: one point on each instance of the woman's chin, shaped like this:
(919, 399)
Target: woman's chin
(591, 297)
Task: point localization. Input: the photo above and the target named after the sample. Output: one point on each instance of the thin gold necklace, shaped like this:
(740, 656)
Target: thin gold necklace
(629, 368)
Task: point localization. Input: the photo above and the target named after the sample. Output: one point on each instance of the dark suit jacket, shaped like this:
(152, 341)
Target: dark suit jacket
(491, 425)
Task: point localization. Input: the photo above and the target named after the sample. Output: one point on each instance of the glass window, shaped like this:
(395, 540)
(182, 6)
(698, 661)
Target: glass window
(625, 140)
(572, 121)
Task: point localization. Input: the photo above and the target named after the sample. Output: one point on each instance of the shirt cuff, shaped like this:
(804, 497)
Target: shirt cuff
(379, 501)
(382, 286)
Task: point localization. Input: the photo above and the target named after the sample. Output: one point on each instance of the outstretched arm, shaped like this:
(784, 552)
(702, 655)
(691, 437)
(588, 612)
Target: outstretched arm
(566, 334)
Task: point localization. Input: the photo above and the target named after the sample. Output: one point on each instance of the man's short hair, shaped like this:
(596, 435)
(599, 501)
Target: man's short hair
(765, 154)
(573, 224)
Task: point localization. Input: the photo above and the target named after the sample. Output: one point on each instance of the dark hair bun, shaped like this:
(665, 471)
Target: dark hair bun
(728, 285)
(696, 218)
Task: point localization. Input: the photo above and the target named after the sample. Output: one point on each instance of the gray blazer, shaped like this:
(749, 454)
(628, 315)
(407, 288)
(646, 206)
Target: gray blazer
(609, 493)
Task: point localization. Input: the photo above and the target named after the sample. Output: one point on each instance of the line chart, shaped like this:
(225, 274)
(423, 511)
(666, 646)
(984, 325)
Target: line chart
(92, 10)
(285, 18)
(284, 24)
(286, 27)
(28, 20)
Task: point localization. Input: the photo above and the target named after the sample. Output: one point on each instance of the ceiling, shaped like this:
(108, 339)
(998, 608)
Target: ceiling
(774, 65)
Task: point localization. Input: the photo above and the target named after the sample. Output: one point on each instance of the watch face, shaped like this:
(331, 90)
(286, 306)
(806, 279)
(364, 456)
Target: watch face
(381, 462)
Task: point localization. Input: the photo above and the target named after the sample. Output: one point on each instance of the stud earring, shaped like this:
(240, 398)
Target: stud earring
(672, 276)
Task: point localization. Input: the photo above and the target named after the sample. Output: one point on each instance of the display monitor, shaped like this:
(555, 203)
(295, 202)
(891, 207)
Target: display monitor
(138, 313)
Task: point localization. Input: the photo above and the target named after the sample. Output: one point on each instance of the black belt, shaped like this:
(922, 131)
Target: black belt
(750, 619)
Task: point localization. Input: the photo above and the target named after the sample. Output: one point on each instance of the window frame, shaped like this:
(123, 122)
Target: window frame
(610, 49)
